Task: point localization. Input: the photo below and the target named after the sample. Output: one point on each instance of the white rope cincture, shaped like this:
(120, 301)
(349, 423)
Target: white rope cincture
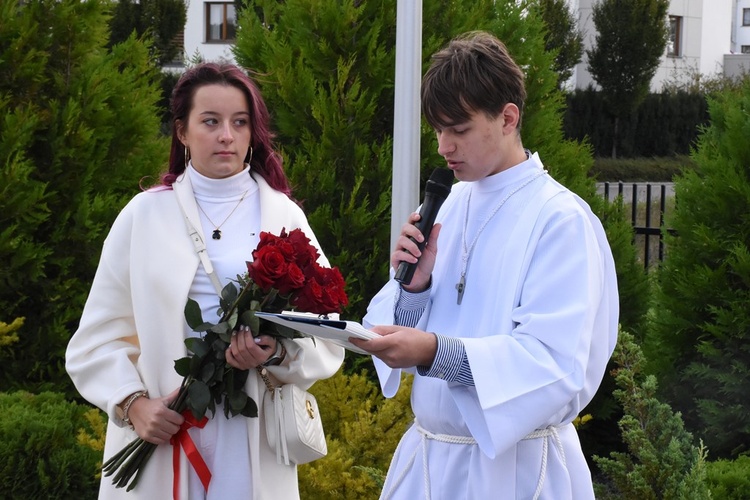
(546, 433)
(424, 436)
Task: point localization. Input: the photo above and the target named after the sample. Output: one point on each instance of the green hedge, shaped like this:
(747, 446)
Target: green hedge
(661, 169)
(729, 479)
(44, 452)
(665, 124)
(51, 448)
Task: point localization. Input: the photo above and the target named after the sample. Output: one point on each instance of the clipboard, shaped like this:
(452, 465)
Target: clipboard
(335, 331)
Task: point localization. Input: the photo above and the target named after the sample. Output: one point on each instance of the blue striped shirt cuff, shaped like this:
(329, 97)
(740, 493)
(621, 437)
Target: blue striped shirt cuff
(410, 307)
(451, 363)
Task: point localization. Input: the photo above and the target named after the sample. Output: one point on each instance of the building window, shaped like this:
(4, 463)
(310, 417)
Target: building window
(221, 22)
(745, 49)
(675, 35)
(745, 17)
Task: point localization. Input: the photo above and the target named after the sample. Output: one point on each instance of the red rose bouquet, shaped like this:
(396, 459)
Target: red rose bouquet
(283, 275)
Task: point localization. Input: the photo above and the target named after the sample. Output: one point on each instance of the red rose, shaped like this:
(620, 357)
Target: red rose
(266, 238)
(305, 254)
(286, 249)
(293, 280)
(334, 297)
(308, 298)
(323, 293)
(268, 267)
(288, 264)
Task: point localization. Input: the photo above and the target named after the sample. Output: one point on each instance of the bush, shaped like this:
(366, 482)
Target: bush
(660, 169)
(363, 429)
(665, 124)
(729, 480)
(701, 320)
(9, 334)
(661, 461)
(79, 128)
(47, 450)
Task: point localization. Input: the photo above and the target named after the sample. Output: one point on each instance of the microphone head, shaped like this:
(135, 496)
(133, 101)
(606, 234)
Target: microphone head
(440, 182)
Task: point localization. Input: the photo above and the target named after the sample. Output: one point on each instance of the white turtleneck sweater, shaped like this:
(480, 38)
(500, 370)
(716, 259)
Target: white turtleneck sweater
(223, 443)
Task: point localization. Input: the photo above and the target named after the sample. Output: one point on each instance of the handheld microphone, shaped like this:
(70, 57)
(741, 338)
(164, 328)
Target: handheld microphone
(436, 191)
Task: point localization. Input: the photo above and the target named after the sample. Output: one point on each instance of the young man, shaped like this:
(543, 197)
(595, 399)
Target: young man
(511, 316)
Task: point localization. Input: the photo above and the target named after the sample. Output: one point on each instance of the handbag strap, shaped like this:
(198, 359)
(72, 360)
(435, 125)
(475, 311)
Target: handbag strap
(200, 248)
(264, 375)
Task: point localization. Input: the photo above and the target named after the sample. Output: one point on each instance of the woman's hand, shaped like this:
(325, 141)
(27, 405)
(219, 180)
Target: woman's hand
(246, 351)
(153, 421)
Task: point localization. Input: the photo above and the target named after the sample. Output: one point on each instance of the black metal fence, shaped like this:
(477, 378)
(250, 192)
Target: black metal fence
(648, 203)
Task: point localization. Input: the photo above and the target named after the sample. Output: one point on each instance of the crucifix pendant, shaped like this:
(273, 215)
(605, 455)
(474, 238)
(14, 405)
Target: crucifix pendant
(461, 286)
(216, 235)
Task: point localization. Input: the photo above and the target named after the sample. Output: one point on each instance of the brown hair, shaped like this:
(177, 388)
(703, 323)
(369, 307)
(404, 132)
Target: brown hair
(474, 72)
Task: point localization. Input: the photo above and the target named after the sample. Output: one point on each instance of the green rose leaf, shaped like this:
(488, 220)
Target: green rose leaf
(237, 401)
(197, 346)
(194, 318)
(232, 320)
(207, 372)
(222, 327)
(219, 346)
(182, 366)
(250, 409)
(195, 366)
(229, 293)
(250, 319)
(199, 396)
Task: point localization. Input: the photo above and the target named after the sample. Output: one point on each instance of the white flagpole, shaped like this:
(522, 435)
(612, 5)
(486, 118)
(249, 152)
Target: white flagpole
(406, 114)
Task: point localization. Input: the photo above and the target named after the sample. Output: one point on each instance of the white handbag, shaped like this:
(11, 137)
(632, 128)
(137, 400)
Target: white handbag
(293, 425)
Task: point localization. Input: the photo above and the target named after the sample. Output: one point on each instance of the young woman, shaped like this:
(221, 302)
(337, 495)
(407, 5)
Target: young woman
(226, 178)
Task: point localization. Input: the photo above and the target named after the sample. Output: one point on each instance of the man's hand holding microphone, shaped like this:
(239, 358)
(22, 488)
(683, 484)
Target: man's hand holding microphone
(413, 258)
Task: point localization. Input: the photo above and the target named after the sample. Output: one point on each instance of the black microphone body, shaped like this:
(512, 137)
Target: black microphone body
(436, 191)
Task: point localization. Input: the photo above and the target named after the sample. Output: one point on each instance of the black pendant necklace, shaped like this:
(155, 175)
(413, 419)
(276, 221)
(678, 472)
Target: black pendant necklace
(217, 229)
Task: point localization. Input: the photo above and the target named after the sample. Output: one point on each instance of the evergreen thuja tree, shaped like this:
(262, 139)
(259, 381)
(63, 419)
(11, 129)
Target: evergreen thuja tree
(78, 131)
(326, 72)
(160, 20)
(701, 333)
(661, 460)
(630, 40)
(562, 36)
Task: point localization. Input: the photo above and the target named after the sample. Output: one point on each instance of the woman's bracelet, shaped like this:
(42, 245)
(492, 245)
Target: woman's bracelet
(129, 402)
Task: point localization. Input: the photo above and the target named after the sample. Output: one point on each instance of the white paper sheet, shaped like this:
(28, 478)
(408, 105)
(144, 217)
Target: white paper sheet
(336, 331)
